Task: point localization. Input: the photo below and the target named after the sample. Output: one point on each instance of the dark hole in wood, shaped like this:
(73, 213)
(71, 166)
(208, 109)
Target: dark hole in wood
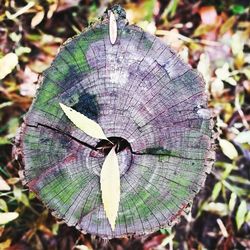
(120, 144)
(87, 105)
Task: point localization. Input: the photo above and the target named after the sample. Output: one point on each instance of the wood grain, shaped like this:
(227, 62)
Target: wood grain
(137, 89)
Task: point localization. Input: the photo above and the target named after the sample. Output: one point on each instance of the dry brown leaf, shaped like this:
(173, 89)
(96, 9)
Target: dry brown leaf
(226, 26)
(203, 29)
(5, 244)
(81, 121)
(13, 180)
(208, 15)
(110, 186)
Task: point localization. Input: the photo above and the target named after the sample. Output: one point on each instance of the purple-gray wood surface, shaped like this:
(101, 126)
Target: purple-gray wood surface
(137, 89)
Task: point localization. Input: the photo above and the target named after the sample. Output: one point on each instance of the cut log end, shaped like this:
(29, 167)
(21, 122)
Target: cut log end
(146, 100)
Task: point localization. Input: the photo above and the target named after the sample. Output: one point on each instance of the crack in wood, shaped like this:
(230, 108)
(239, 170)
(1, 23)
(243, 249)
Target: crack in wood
(63, 133)
(96, 149)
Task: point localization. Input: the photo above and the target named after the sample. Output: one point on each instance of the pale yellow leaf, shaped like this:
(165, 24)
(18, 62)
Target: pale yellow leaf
(81, 247)
(147, 26)
(241, 214)
(232, 201)
(37, 19)
(243, 137)
(231, 81)
(216, 208)
(227, 25)
(225, 75)
(223, 72)
(222, 228)
(7, 64)
(246, 71)
(216, 190)
(13, 180)
(17, 193)
(183, 53)
(52, 9)
(237, 43)
(81, 121)
(7, 217)
(228, 149)
(112, 28)
(204, 67)
(3, 206)
(217, 87)
(110, 186)
(20, 11)
(168, 240)
(3, 185)
(248, 217)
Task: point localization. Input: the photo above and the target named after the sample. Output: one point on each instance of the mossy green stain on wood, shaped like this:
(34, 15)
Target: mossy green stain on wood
(138, 202)
(125, 218)
(147, 43)
(61, 186)
(32, 139)
(85, 206)
(97, 33)
(66, 65)
(54, 110)
(47, 93)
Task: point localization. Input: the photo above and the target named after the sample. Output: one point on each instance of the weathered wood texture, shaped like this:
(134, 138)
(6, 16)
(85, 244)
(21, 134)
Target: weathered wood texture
(137, 89)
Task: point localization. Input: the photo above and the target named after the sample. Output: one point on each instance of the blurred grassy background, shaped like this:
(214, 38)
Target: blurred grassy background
(213, 36)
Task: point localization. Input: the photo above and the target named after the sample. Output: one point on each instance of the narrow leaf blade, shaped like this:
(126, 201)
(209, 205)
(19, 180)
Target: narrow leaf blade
(3, 185)
(37, 19)
(7, 217)
(7, 64)
(110, 186)
(241, 213)
(81, 121)
(228, 149)
(112, 28)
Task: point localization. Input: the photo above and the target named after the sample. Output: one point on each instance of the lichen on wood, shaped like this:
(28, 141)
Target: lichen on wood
(145, 98)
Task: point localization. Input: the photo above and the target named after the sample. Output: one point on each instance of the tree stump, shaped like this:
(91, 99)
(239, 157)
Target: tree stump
(148, 101)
